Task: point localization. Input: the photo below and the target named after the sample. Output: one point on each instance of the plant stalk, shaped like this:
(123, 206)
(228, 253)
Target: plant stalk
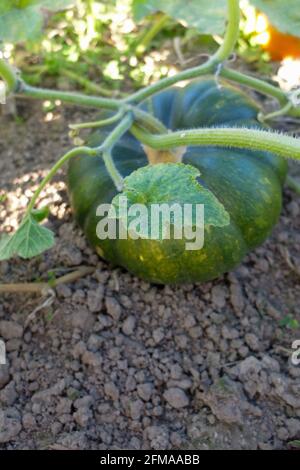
(72, 153)
(107, 146)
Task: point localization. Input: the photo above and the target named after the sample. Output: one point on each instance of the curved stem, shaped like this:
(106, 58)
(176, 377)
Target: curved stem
(293, 184)
(255, 83)
(68, 97)
(148, 121)
(72, 153)
(112, 170)
(8, 74)
(275, 114)
(107, 146)
(117, 133)
(266, 141)
(96, 124)
(232, 32)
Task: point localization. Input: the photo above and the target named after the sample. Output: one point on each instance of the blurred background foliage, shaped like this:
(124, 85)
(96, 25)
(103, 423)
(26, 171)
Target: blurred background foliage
(105, 47)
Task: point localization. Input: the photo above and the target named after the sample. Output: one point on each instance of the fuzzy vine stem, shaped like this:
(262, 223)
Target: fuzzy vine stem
(107, 146)
(282, 145)
(275, 114)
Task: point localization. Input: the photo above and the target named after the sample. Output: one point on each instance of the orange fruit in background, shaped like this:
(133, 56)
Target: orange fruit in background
(278, 45)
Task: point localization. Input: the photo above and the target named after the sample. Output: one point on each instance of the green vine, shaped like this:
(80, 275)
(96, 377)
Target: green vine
(280, 144)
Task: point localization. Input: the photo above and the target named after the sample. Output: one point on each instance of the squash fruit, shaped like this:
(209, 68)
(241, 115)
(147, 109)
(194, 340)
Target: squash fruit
(247, 183)
(279, 45)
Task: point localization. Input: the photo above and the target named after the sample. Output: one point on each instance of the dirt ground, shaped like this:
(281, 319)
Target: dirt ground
(115, 363)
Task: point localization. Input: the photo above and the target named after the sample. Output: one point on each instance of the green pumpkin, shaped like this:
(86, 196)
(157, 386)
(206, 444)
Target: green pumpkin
(247, 183)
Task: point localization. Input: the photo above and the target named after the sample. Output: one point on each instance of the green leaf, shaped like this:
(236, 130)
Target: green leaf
(168, 183)
(285, 16)
(23, 19)
(206, 17)
(28, 241)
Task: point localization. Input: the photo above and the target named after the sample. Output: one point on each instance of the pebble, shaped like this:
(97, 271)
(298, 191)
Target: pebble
(136, 409)
(113, 308)
(10, 424)
(176, 397)
(128, 326)
(144, 391)
(95, 299)
(218, 296)
(10, 330)
(83, 319)
(111, 391)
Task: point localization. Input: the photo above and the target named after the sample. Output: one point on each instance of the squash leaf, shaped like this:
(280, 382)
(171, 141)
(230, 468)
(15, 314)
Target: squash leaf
(30, 240)
(172, 184)
(285, 16)
(206, 17)
(23, 19)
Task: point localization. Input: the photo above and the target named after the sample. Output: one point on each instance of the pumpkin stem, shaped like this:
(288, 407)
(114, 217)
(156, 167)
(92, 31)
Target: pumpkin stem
(156, 156)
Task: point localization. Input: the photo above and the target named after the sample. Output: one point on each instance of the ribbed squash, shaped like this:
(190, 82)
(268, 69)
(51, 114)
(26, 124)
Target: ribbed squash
(247, 183)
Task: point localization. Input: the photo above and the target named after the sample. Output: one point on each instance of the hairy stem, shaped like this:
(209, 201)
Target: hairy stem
(9, 76)
(107, 146)
(275, 114)
(255, 83)
(72, 153)
(232, 32)
(283, 145)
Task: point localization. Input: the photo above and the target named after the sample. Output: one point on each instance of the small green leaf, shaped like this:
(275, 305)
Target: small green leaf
(206, 17)
(28, 241)
(23, 19)
(170, 184)
(285, 16)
